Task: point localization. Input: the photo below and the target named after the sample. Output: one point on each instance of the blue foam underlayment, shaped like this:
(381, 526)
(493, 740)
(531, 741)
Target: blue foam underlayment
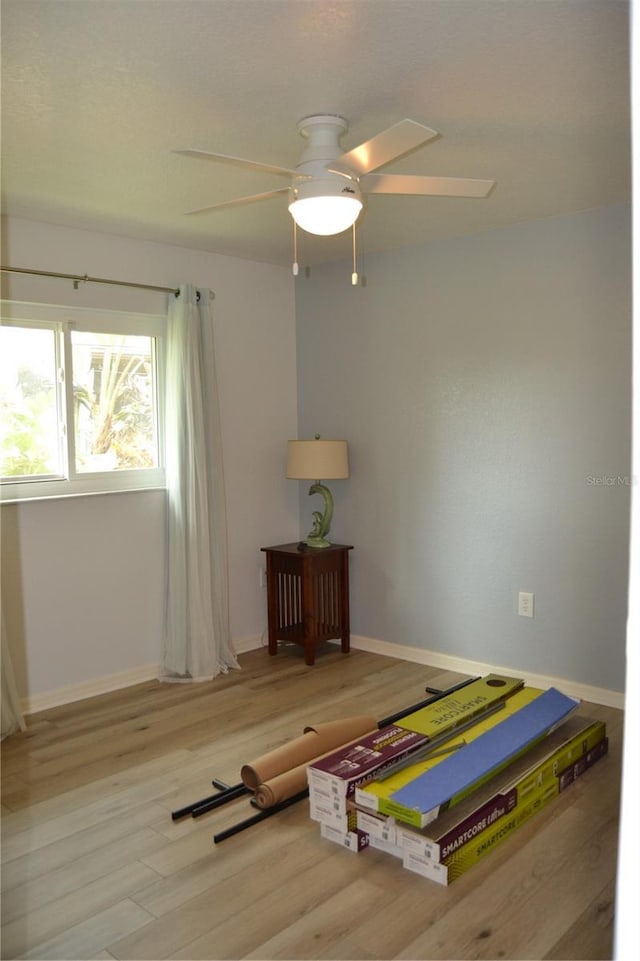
(488, 752)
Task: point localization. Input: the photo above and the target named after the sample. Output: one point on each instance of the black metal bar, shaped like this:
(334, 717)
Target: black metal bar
(256, 818)
(227, 794)
(435, 696)
(221, 785)
(209, 804)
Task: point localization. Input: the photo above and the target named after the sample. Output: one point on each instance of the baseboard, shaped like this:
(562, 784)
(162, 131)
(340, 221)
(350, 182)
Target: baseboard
(111, 682)
(252, 643)
(418, 655)
(586, 692)
(90, 688)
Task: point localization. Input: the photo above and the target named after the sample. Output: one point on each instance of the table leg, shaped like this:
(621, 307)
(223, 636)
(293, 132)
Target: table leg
(272, 612)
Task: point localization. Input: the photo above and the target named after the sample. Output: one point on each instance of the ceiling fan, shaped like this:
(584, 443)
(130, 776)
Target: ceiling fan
(327, 184)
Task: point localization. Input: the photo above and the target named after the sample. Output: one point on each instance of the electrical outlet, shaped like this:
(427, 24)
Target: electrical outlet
(263, 577)
(525, 604)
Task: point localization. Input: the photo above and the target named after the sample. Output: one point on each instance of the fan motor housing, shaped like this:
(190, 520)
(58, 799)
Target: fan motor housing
(323, 133)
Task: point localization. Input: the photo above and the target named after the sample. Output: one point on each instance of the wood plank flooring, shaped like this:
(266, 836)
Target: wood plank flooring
(94, 867)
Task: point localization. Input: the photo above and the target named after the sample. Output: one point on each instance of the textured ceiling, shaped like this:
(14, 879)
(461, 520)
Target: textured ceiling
(96, 94)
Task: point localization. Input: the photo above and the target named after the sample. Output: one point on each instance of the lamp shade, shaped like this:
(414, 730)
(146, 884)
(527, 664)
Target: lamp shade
(317, 460)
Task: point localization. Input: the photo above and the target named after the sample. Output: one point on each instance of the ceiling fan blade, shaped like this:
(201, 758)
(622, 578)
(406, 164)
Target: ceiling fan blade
(387, 145)
(239, 200)
(425, 186)
(238, 161)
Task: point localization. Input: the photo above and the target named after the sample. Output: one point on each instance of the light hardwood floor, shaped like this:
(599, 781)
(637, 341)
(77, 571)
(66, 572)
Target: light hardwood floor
(94, 866)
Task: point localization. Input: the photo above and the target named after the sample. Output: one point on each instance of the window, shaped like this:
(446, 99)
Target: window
(80, 401)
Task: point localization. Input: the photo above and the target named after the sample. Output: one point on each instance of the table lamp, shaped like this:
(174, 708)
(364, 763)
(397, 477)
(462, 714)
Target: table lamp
(314, 460)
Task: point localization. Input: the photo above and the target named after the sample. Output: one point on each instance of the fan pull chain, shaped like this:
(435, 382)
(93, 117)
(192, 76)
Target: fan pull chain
(295, 249)
(354, 275)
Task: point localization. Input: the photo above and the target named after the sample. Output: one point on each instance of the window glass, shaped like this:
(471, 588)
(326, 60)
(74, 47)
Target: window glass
(30, 416)
(80, 401)
(114, 402)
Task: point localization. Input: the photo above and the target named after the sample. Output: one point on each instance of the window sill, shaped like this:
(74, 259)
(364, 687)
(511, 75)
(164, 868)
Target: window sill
(7, 498)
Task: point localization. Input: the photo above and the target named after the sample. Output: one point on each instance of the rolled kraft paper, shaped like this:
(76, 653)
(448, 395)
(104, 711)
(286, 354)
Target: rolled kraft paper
(282, 787)
(333, 734)
(292, 782)
(282, 759)
(317, 739)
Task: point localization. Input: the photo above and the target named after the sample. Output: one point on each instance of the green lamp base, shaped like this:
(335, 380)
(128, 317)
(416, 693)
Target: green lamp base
(317, 537)
(316, 542)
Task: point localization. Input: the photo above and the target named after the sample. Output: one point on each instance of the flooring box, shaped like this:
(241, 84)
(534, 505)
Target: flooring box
(486, 841)
(321, 795)
(343, 770)
(389, 847)
(326, 814)
(502, 793)
(459, 707)
(351, 840)
(475, 762)
(376, 794)
(377, 826)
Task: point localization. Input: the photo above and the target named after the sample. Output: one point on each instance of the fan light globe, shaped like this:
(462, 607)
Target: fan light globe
(326, 207)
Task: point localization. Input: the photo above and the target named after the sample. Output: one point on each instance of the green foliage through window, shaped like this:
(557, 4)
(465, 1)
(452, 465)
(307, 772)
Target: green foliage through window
(113, 402)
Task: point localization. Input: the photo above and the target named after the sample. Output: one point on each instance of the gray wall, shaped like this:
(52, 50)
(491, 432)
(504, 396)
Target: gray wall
(483, 384)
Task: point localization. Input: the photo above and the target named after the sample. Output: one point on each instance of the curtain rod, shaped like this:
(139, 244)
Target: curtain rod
(85, 279)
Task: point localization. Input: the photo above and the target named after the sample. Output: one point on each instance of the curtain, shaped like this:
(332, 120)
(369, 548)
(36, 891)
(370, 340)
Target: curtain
(12, 719)
(197, 643)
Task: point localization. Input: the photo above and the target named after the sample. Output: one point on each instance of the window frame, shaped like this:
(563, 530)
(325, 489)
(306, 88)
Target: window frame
(63, 320)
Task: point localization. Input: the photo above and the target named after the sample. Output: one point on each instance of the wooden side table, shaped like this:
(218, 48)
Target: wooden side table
(308, 596)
